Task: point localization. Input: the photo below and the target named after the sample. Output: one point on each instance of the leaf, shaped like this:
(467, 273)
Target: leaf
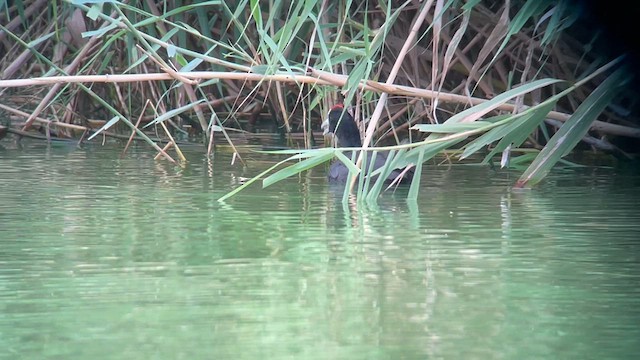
(515, 130)
(518, 132)
(382, 174)
(182, 61)
(99, 32)
(256, 13)
(174, 112)
(450, 128)
(470, 4)
(190, 65)
(214, 127)
(104, 127)
(249, 182)
(94, 11)
(574, 128)
(348, 162)
(296, 168)
(415, 182)
(276, 52)
(84, 2)
(506, 156)
(154, 48)
(171, 50)
(557, 23)
(529, 10)
(453, 46)
(299, 153)
(478, 111)
(190, 29)
(499, 31)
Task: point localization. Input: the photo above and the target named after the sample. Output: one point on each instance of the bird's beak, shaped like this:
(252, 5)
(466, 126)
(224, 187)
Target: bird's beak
(325, 127)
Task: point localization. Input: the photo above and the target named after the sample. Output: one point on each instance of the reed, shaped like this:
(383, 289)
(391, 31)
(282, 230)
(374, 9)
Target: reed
(464, 75)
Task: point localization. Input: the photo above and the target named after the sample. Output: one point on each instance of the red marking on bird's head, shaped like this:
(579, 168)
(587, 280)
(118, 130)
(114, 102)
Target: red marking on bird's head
(338, 106)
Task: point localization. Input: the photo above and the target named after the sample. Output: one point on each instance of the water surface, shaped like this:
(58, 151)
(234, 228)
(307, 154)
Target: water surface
(103, 258)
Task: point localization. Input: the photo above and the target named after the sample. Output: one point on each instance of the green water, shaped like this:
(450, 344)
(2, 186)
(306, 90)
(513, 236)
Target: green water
(102, 258)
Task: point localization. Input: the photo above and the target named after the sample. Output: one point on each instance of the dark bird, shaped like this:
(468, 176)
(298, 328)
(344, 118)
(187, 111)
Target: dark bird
(342, 125)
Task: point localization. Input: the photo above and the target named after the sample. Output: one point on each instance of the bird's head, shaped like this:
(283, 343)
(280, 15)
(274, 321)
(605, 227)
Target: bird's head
(340, 123)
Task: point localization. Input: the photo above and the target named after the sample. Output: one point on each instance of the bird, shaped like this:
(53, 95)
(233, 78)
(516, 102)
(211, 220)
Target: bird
(342, 126)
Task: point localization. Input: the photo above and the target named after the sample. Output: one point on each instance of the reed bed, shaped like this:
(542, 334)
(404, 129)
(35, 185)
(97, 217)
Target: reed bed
(508, 80)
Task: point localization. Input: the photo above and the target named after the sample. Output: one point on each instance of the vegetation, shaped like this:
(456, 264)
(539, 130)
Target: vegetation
(431, 77)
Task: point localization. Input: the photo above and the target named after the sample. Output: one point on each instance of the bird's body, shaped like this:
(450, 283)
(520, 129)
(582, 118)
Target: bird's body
(342, 125)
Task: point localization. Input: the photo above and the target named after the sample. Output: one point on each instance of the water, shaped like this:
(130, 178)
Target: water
(105, 258)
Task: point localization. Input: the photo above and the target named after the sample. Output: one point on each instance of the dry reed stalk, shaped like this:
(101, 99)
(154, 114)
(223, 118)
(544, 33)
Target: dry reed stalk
(172, 141)
(68, 69)
(375, 117)
(43, 120)
(164, 151)
(136, 126)
(320, 78)
(33, 8)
